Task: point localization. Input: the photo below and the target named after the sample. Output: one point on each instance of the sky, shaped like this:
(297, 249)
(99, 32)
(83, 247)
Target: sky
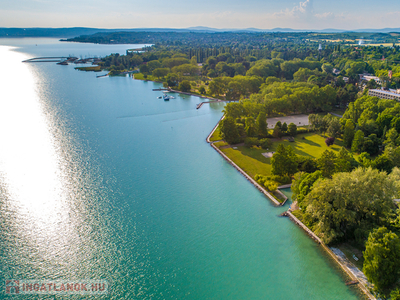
(263, 14)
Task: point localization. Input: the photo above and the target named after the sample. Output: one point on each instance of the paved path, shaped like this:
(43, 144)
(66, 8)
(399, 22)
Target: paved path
(298, 120)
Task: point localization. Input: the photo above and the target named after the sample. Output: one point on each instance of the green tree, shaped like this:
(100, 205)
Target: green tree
(358, 142)
(344, 161)
(277, 133)
(391, 137)
(250, 127)
(350, 204)
(284, 161)
(229, 131)
(292, 129)
(348, 134)
(393, 153)
(383, 163)
(172, 79)
(160, 72)
(333, 127)
(144, 69)
(382, 258)
(284, 127)
(395, 294)
(184, 86)
(202, 90)
(261, 125)
(326, 163)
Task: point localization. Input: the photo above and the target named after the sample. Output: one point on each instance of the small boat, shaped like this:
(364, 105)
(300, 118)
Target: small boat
(166, 97)
(63, 63)
(159, 97)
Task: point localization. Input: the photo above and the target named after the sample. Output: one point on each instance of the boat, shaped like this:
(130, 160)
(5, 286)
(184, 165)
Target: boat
(63, 63)
(159, 97)
(166, 97)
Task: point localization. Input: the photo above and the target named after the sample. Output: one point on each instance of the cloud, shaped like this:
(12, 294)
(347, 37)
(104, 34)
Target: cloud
(325, 16)
(305, 7)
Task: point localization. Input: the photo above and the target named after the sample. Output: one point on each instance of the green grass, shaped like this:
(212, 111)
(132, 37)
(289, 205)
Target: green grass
(249, 160)
(220, 144)
(140, 76)
(216, 136)
(88, 69)
(253, 162)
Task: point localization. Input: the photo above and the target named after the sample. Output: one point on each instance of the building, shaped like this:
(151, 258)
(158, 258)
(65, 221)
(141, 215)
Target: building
(370, 77)
(385, 94)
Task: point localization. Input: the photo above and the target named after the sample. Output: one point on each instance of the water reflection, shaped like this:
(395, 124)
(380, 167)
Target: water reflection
(51, 223)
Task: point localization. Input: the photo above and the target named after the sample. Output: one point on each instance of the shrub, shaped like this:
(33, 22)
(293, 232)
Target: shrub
(251, 141)
(265, 143)
(330, 141)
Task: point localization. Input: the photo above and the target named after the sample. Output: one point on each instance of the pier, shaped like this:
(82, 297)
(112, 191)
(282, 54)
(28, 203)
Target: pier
(50, 59)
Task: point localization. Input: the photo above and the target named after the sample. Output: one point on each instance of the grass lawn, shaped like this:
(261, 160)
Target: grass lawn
(253, 162)
(216, 135)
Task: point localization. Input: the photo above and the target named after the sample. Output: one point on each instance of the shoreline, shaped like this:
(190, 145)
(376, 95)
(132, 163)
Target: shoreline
(343, 263)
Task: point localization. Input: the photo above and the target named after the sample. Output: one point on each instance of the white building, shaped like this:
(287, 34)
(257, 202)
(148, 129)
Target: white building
(370, 77)
(390, 94)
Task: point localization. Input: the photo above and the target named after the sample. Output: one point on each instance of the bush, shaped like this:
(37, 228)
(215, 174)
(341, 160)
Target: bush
(270, 185)
(251, 141)
(330, 141)
(303, 130)
(281, 179)
(265, 143)
(268, 180)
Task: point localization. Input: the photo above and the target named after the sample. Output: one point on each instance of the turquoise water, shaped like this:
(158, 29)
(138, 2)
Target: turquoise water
(102, 180)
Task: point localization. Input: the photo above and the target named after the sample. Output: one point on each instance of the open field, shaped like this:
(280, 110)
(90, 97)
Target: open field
(253, 162)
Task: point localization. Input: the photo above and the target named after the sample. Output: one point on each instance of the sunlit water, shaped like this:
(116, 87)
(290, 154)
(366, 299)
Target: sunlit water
(102, 180)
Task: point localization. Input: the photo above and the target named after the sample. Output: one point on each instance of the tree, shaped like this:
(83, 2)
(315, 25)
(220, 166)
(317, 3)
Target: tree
(250, 127)
(358, 142)
(333, 127)
(382, 258)
(172, 79)
(284, 161)
(284, 127)
(185, 86)
(229, 131)
(344, 161)
(327, 68)
(330, 141)
(395, 294)
(391, 137)
(144, 69)
(261, 125)
(277, 133)
(160, 72)
(383, 163)
(202, 90)
(348, 134)
(350, 204)
(292, 129)
(326, 163)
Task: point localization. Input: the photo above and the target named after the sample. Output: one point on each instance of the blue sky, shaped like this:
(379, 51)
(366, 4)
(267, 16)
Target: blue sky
(265, 14)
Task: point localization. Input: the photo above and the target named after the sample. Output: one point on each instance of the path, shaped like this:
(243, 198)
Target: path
(298, 120)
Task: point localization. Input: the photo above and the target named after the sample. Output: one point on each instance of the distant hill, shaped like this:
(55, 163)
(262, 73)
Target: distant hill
(78, 31)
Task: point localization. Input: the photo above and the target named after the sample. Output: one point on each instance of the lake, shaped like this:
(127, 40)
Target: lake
(102, 180)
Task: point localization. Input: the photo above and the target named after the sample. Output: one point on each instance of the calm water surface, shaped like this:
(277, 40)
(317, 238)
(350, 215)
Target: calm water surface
(101, 180)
